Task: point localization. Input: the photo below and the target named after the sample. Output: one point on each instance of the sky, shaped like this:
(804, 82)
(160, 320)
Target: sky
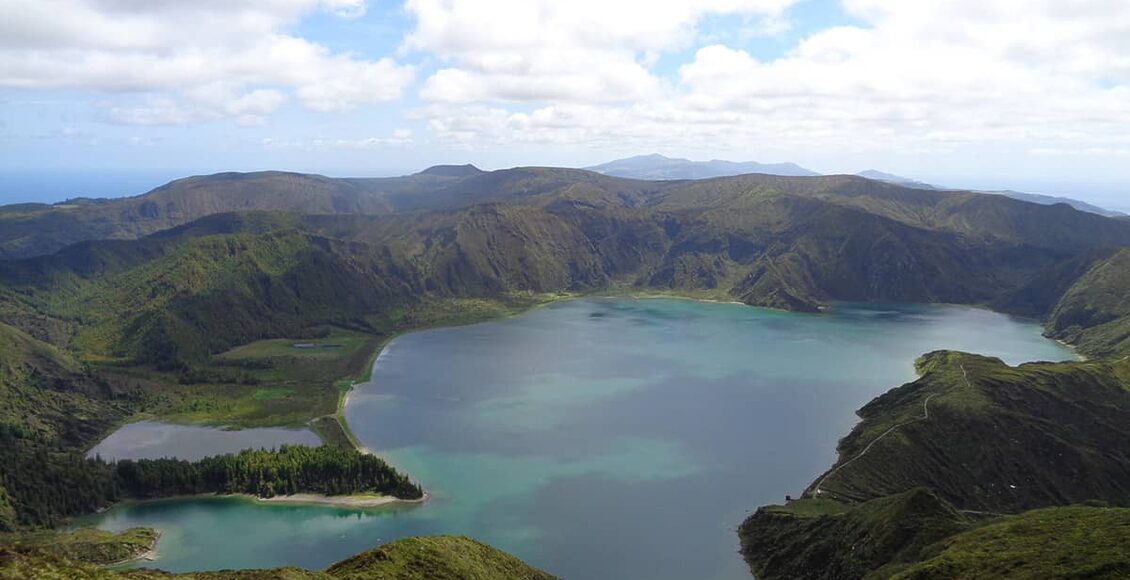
(113, 97)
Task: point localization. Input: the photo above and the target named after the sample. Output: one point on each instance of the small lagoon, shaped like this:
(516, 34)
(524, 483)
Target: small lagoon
(153, 440)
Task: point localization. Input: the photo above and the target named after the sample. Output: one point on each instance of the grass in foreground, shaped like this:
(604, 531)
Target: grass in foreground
(431, 558)
(1064, 542)
(86, 544)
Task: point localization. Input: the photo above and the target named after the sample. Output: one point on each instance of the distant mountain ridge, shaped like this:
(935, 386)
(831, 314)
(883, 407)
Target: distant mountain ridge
(896, 179)
(659, 167)
(656, 166)
(28, 230)
(1028, 197)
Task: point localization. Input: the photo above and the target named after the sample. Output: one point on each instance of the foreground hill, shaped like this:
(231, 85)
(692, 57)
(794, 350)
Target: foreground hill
(433, 558)
(1064, 439)
(971, 439)
(917, 535)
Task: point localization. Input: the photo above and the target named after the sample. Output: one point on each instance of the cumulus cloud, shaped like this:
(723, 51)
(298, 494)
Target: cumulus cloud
(1031, 76)
(926, 76)
(191, 60)
(576, 51)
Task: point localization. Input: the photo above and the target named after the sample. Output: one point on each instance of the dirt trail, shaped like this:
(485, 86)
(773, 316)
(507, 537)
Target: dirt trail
(925, 415)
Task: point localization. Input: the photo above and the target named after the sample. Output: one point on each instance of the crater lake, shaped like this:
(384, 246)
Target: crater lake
(598, 438)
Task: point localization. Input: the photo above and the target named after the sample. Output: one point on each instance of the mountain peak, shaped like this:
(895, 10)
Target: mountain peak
(656, 166)
(451, 170)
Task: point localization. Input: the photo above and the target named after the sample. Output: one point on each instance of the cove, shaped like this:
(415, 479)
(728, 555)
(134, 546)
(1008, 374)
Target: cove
(598, 438)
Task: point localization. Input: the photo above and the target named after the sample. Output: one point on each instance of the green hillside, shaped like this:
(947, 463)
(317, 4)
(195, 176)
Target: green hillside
(917, 535)
(1056, 430)
(49, 395)
(797, 243)
(1094, 313)
(811, 539)
(433, 558)
(181, 303)
(996, 440)
(36, 229)
(1067, 542)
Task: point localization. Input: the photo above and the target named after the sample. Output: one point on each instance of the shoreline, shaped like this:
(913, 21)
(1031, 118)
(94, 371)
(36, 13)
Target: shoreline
(357, 501)
(148, 555)
(361, 501)
(1074, 350)
(343, 402)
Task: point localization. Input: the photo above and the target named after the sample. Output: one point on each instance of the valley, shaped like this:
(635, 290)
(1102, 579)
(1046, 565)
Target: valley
(520, 290)
(188, 305)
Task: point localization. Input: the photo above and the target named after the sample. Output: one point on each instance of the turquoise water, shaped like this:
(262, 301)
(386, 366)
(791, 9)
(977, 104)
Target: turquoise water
(154, 440)
(603, 438)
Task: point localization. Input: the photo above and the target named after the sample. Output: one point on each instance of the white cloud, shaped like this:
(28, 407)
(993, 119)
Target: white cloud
(577, 51)
(926, 77)
(182, 55)
(345, 8)
(399, 137)
(1027, 78)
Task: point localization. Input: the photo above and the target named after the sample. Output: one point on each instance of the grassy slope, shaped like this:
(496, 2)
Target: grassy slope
(1061, 542)
(50, 395)
(805, 541)
(1095, 311)
(87, 545)
(915, 535)
(31, 229)
(998, 439)
(438, 558)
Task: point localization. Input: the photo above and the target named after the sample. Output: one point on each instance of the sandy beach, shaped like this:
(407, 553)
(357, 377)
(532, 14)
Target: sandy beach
(353, 501)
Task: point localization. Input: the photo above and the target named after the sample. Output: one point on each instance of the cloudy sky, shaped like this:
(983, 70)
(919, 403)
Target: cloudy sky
(1029, 94)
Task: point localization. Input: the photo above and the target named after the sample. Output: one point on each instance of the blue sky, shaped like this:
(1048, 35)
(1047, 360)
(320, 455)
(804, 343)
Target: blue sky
(112, 97)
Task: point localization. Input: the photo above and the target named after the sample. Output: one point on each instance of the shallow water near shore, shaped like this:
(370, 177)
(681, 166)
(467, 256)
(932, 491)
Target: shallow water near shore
(598, 438)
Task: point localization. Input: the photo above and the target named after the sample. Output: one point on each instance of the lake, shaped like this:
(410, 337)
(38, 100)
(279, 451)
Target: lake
(154, 440)
(599, 438)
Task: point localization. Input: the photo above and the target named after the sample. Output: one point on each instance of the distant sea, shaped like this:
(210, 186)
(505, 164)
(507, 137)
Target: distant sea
(50, 186)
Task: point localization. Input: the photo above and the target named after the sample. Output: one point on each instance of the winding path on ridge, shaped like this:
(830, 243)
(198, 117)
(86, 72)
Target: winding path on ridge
(925, 415)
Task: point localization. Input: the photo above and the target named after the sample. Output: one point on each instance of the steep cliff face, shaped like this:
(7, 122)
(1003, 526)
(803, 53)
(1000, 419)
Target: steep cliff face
(1094, 313)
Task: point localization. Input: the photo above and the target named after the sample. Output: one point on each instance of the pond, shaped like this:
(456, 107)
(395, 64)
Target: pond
(154, 440)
